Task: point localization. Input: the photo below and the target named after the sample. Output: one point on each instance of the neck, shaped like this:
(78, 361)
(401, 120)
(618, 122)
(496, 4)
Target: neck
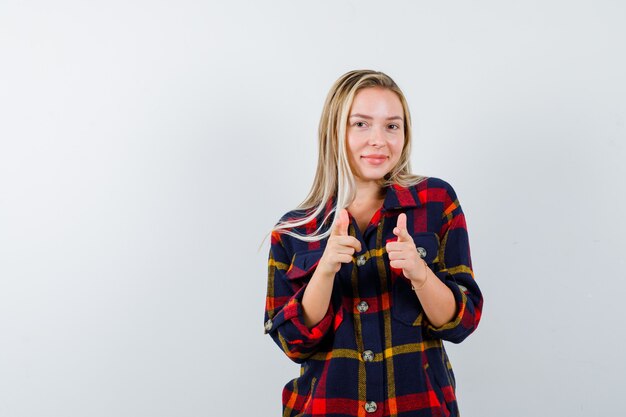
(368, 192)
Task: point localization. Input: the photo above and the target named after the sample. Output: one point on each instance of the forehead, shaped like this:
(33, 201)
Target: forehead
(377, 101)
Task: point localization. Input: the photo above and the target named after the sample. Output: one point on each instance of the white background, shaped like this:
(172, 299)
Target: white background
(147, 147)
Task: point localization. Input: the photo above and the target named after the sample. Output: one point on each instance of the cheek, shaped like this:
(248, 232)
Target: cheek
(398, 146)
(354, 144)
(397, 152)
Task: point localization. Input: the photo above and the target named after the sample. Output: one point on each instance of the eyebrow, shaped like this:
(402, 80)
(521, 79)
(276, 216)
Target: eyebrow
(364, 116)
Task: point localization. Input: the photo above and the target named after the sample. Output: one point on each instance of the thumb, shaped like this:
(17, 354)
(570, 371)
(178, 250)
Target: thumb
(341, 225)
(402, 233)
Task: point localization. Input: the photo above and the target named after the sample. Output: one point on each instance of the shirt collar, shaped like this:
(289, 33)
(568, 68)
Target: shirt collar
(396, 197)
(399, 197)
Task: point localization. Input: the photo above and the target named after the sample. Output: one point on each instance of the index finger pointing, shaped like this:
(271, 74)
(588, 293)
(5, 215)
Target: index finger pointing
(341, 224)
(401, 221)
(403, 233)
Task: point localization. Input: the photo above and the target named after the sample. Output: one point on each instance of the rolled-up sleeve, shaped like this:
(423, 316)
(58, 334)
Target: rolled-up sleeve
(284, 320)
(457, 274)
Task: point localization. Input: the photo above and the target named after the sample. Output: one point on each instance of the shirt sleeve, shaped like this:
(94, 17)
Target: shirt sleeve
(284, 320)
(457, 273)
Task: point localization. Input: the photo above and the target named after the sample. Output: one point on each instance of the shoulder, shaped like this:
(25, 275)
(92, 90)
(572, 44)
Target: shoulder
(435, 190)
(434, 183)
(293, 215)
(304, 223)
(311, 217)
(306, 217)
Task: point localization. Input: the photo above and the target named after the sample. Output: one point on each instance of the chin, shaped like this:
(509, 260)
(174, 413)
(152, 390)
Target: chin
(375, 175)
(377, 178)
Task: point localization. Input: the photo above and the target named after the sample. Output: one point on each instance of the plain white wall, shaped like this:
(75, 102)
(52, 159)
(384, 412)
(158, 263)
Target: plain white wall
(147, 147)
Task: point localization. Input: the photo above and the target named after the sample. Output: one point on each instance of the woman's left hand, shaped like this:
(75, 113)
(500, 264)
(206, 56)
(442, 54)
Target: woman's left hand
(403, 254)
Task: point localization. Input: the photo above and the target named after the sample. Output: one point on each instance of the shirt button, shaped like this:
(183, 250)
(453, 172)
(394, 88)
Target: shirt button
(368, 356)
(421, 251)
(370, 406)
(360, 261)
(268, 325)
(362, 306)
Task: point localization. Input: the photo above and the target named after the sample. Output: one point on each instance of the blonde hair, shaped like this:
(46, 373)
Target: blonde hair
(334, 176)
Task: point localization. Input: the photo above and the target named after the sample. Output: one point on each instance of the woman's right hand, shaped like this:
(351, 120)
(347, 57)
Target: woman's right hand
(340, 247)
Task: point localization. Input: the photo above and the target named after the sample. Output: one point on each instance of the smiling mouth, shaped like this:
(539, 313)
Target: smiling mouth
(375, 160)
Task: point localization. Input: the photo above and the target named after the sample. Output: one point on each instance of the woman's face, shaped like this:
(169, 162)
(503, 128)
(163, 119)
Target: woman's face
(375, 133)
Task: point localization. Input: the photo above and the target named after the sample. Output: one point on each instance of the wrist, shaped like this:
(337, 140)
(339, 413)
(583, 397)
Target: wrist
(419, 283)
(323, 274)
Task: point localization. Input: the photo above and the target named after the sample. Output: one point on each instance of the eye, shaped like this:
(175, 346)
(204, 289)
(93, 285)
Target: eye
(393, 126)
(359, 124)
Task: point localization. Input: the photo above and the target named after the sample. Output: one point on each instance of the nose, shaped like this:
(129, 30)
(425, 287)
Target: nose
(376, 138)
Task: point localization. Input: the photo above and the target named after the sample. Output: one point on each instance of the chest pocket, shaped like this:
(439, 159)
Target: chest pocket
(406, 307)
(303, 264)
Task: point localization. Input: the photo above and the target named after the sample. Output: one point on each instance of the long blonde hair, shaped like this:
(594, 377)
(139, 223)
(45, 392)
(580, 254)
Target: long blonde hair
(334, 176)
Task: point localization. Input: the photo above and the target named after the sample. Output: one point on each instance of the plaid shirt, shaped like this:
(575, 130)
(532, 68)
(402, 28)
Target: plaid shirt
(375, 353)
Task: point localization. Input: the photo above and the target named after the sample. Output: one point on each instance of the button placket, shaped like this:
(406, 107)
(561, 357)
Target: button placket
(370, 328)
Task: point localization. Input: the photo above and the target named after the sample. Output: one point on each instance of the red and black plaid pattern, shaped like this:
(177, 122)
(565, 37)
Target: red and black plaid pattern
(375, 353)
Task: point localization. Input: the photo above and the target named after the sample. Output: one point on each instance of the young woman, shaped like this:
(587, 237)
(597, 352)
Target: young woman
(372, 272)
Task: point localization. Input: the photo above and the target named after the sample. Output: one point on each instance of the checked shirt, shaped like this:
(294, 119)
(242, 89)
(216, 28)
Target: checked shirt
(374, 353)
